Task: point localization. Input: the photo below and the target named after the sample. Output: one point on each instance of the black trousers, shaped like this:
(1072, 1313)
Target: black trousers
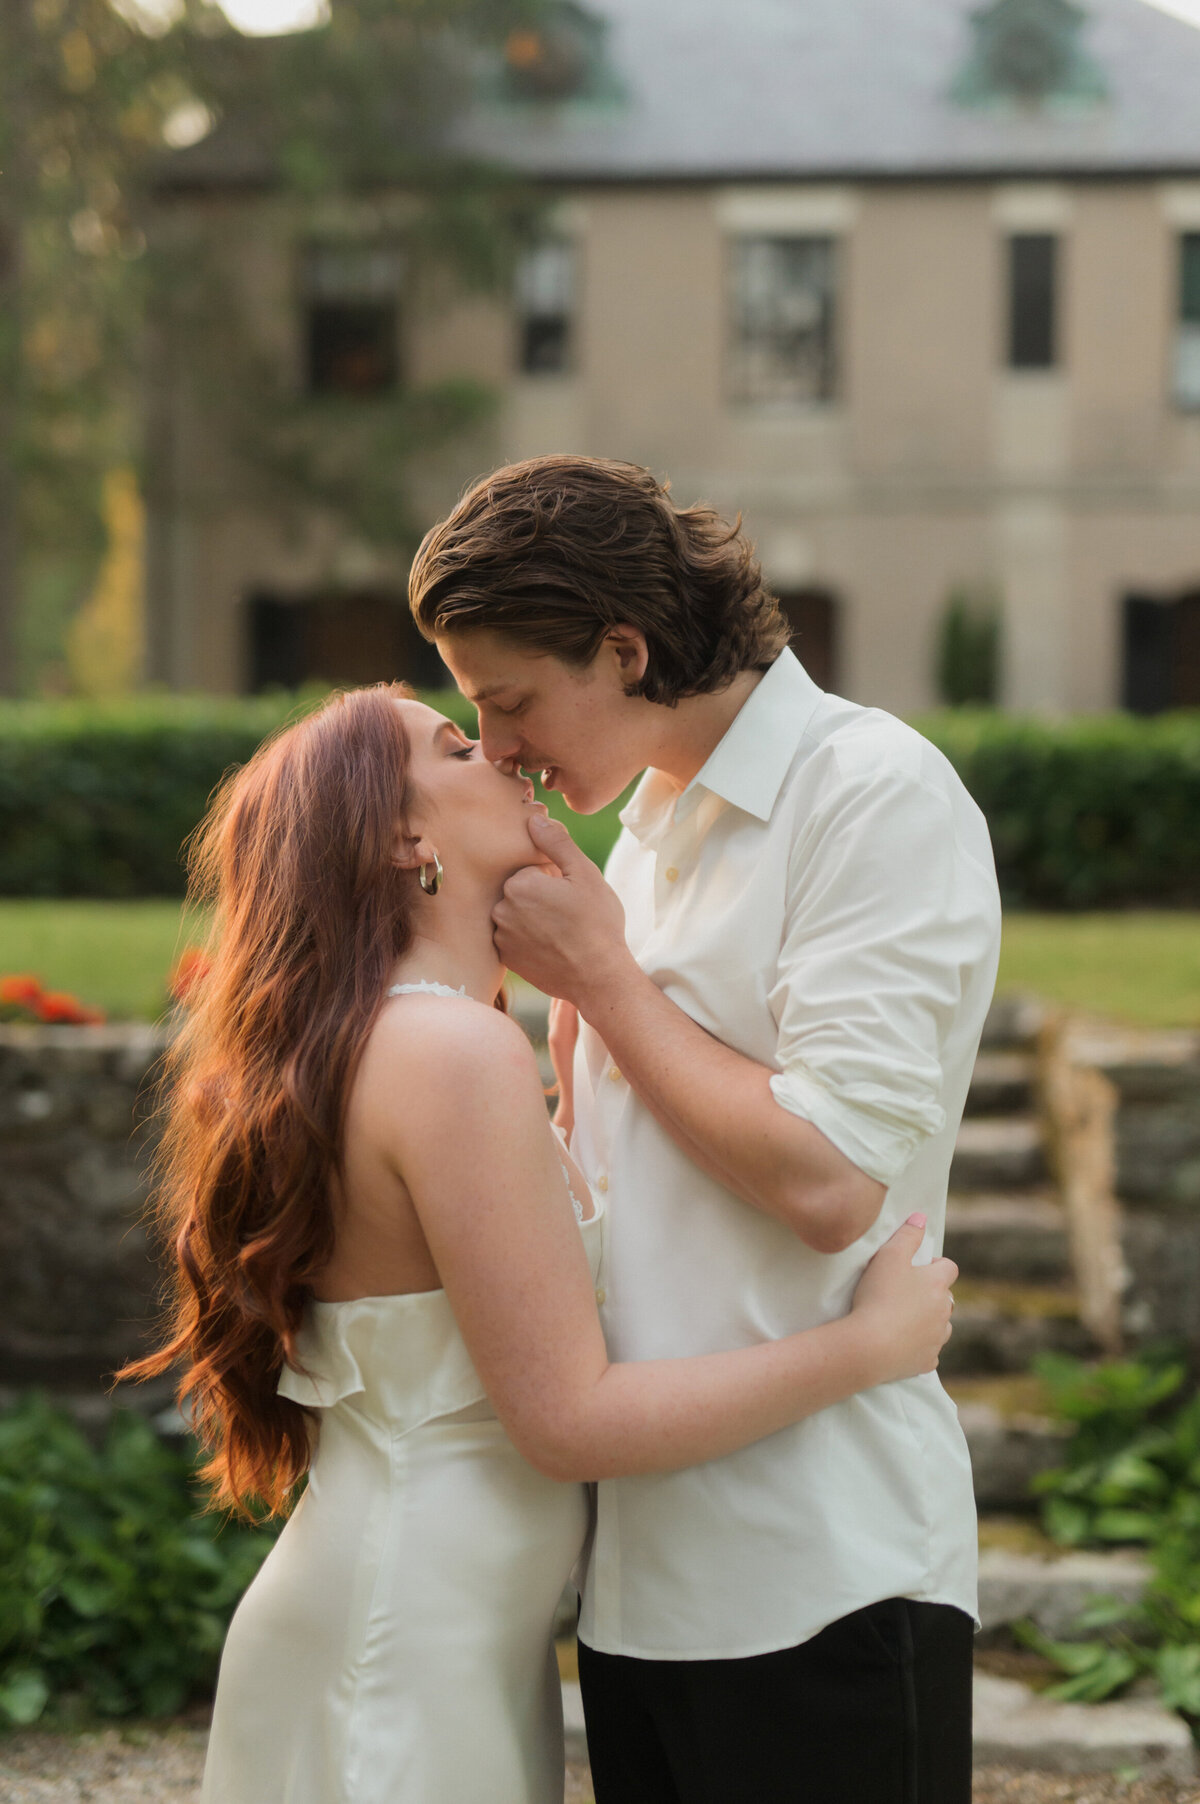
(876, 1709)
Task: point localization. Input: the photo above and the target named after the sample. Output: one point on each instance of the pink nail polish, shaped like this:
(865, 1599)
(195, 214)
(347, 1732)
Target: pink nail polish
(916, 1221)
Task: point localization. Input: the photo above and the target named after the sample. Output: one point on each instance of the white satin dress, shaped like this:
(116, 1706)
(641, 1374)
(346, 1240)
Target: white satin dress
(395, 1647)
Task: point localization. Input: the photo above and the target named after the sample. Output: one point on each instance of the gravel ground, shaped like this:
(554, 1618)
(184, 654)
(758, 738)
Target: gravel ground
(143, 1765)
(112, 1766)
(997, 1785)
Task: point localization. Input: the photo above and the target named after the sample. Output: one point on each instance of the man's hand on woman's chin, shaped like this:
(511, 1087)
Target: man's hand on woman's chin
(562, 936)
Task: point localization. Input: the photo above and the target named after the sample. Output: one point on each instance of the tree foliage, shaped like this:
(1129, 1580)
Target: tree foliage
(91, 95)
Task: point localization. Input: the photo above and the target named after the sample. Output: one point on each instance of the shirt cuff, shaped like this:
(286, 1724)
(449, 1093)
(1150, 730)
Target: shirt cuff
(866, 1128)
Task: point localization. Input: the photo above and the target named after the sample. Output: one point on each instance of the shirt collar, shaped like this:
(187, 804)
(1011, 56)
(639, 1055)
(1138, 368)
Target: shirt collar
(747, 767)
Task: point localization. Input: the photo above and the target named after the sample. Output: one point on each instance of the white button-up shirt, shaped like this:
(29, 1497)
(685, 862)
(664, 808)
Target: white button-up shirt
(822, 898)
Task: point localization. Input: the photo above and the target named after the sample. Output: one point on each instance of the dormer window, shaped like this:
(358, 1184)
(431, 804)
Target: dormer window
(560, 57)
(1029, 52)
(545, 64)
(350, 298)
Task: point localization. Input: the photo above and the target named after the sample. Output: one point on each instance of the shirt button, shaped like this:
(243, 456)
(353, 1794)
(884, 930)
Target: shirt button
(614, 1076)
(601, 1295)
(672, 874)
(602, 1184)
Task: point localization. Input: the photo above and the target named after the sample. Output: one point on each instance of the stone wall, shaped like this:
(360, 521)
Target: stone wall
(78, 1282)
(77, 1279)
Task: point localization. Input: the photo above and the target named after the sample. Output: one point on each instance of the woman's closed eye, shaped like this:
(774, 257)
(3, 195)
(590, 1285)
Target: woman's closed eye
(466, 751)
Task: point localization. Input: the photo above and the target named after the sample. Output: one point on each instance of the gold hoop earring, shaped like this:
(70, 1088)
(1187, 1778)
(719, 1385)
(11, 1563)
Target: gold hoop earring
(431, 885)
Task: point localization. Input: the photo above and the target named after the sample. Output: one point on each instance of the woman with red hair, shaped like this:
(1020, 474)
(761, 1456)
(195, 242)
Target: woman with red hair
(385, 1277)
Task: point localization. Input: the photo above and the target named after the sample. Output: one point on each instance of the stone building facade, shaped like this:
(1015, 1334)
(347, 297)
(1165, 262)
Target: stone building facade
(915, 287)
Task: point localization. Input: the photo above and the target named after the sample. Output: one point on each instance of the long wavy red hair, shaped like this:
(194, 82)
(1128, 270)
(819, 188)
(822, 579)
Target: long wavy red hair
(310, 914)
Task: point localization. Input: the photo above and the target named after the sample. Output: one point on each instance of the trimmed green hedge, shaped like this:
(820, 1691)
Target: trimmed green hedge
(1098, 811)
(1093, 812)
(96, 799)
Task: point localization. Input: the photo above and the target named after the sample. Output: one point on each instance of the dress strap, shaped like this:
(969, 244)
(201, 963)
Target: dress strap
(426, 987)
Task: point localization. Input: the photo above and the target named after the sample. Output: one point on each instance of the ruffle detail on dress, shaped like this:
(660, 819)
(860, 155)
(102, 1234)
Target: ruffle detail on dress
(338, 1379)
(403, 1356)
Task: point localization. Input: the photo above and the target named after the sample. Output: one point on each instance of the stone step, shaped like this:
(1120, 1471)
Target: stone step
(1013, 1021)
(1021, 1238)
(1002, 1327)
(1051, 1587)
(1016, 1727)
(1002, 1083)
(1010, 1434)
(998, 1152)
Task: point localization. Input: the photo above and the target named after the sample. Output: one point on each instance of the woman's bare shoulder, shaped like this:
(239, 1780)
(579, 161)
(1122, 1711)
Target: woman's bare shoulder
(448, 1085)
(430, 1041)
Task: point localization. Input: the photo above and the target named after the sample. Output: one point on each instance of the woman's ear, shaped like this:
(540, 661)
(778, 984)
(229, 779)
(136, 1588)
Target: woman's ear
(410, 852)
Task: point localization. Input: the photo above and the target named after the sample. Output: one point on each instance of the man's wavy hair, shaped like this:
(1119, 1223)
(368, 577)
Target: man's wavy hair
(555, 551)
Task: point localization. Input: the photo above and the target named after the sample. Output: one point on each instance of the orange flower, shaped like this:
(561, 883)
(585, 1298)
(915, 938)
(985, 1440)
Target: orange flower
(59, 1007)
(190, 968)
(20, 991)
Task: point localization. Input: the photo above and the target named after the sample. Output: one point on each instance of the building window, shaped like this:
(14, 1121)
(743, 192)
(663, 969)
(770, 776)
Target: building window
(1161, 646)
(783, 319)
(545, 302)
(1032, 300)
(356, 637)
(351, 312)
(1187, 331)
(812, 616)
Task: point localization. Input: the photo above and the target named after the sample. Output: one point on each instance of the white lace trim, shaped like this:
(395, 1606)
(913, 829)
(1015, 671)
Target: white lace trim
(427, 987)
(575, 1202)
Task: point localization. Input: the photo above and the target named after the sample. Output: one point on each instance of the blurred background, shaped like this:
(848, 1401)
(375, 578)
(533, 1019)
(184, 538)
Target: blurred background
(915, 288)
(911, 285)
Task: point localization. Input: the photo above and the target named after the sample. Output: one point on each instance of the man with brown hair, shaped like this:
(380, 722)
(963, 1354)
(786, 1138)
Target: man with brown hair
(769, 1017)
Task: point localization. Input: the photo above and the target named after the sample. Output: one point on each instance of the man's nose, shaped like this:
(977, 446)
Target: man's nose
(497, 743)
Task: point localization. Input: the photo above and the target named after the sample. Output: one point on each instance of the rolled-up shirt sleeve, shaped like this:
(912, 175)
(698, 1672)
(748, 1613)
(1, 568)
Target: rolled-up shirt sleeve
(892, 901)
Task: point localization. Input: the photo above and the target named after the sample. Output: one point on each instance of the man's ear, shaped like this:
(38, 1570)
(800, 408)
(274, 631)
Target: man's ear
(410, 852)
(628, 649)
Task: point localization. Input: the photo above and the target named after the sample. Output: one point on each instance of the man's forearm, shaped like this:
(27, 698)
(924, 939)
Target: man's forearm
(718, 1107)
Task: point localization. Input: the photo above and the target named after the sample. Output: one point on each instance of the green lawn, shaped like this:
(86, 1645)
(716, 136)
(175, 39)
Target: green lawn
(1140, 967)
(112, 955)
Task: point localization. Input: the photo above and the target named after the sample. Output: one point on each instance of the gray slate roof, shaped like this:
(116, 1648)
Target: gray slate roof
(746, 89)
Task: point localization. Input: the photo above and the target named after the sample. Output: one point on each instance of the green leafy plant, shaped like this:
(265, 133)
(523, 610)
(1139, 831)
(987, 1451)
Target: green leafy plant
(968, 650)
(116, 1586)
(1133, 1476)
(1126, 1460)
